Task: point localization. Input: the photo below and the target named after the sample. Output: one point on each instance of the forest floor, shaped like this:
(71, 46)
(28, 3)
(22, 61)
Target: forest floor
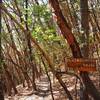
(44, 89)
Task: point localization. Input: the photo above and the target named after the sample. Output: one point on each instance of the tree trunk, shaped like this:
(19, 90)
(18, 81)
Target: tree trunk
(85, 36)
(1, 91)
(1, 86)
(8, 86)
(32, 64)
(8, 75)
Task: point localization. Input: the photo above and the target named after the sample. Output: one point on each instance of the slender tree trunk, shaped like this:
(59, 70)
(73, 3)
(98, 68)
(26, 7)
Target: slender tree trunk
(9, 77)
(32, 64)
(1, 86)
(8, 86)
(85, 36)
(46, 70)
(1, 91)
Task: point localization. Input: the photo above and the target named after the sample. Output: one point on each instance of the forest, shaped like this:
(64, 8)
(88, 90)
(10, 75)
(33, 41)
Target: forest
(49, 49)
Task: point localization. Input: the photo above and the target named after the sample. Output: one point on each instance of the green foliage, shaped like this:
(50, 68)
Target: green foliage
(47, 36)
(41, 11)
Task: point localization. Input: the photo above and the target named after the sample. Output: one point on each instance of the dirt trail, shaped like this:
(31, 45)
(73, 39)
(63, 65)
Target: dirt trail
(26, 94)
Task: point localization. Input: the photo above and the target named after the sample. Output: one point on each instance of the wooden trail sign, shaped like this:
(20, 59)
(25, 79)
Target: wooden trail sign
(82, 64)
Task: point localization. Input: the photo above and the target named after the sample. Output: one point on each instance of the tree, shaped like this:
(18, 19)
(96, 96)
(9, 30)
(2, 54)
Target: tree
(1, 85)
(74, 47)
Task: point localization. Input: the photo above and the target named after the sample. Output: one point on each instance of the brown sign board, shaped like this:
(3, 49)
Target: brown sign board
(82, 64)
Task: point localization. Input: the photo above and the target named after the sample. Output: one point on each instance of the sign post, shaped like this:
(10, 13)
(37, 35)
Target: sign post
(82, 64)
